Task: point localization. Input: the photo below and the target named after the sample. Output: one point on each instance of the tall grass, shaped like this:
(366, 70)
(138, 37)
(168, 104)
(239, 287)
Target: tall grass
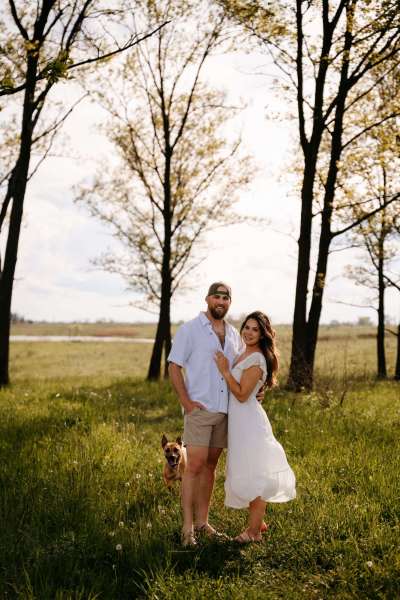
(84, 512)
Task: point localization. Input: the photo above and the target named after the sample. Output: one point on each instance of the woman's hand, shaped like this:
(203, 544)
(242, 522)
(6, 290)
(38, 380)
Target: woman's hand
(222, 363)
(261, 392)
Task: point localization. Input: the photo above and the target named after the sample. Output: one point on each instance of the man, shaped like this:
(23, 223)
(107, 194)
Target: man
(203, 395)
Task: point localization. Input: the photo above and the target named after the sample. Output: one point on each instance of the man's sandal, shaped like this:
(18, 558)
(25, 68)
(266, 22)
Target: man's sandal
(188, 539)
(209, 531)
(246, 538)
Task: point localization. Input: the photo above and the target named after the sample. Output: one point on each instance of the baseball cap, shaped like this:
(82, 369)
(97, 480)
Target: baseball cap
(213, 289)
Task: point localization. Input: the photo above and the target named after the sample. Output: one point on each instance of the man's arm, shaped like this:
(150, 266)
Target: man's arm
(175, 374)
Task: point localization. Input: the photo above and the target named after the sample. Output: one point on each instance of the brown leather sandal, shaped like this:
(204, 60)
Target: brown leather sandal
(246, 538)
(209, 531)
(188, 539)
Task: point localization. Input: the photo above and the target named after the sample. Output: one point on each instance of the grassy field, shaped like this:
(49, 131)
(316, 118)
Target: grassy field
(84, 513)
(135, 330)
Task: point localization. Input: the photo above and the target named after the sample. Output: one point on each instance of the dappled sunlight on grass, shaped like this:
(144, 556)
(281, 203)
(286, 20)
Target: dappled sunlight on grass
(85, 512)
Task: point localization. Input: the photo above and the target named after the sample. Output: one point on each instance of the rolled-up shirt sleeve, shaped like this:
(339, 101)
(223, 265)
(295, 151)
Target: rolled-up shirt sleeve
(181, 347)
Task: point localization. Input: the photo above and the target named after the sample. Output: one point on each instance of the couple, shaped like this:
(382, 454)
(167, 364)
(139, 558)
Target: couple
(220, 365)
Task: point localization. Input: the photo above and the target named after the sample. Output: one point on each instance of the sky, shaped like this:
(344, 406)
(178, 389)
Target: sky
(55, 280)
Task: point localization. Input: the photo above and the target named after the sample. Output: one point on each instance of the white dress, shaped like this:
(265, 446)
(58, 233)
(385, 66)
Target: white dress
(256, 462)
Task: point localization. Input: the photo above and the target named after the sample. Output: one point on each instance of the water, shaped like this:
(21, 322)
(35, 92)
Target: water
(79, 338)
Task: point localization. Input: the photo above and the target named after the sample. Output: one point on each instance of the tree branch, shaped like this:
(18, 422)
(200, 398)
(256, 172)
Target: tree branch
(17, 21)
(42, 75)
(365, 217)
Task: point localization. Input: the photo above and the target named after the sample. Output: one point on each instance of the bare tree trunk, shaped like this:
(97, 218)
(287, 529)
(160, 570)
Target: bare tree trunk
(162, 340)
(163, 334)
(298, 375)
(16, 191)
(317, 294)
(380, 335)
(397, 369)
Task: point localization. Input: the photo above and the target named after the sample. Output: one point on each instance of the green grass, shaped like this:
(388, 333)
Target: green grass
(84, 512)
(101, 329)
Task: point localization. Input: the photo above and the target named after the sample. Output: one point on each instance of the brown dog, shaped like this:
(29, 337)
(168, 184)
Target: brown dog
(175, 455)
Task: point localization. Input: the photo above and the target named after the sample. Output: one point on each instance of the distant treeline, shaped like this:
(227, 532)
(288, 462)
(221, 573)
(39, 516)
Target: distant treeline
(16, 318)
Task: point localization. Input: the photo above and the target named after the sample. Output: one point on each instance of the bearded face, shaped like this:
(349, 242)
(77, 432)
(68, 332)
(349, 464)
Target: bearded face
(218, 304)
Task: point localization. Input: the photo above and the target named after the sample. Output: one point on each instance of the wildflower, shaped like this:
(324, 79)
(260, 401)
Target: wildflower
(112, 533)
(118, 547)
(149, 525)
(58, 395)
(121, 524)
(127, 484)
(369, 564)
(137, 475)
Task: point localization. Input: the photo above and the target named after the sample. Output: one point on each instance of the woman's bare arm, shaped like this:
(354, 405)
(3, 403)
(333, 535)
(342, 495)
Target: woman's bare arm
(248, 380)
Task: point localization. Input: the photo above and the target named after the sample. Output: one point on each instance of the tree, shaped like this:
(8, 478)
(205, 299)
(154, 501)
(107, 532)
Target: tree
(374, 236)
(397, 366)
(178, 175)
(369, 176)
(327, 51)
(394, 281)
(40, 44)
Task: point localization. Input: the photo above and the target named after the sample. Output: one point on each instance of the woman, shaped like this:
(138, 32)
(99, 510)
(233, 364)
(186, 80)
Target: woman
(257, 469)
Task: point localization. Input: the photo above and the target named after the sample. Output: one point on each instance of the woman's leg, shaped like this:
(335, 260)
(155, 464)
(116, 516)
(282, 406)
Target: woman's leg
(256, 523)
(256, 517)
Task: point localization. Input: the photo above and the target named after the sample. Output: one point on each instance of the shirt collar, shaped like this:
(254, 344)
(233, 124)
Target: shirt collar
(205, 321)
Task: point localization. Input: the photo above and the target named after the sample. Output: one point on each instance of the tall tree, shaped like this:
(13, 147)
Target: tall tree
(396, 333)
(369, 176)
(40, 44)
(327, 52)
(178, 175)
(374, 235)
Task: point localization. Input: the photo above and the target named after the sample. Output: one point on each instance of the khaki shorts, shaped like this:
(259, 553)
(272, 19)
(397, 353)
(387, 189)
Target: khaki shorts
(205, 428)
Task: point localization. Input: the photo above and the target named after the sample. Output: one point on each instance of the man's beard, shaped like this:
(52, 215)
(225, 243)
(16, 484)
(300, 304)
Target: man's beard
(218, 315)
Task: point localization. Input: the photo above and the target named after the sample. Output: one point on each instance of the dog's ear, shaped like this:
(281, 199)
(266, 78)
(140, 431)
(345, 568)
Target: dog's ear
(179, 440)
(164, 440)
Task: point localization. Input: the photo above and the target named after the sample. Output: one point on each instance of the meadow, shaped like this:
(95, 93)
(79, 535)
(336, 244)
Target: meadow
(84, 513)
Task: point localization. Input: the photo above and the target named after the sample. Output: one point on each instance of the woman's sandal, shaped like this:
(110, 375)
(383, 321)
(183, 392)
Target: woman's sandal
(246, 538)
(264, 527)
(188, 539)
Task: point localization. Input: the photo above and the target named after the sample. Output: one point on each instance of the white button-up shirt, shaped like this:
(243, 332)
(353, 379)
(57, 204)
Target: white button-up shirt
(194, 347)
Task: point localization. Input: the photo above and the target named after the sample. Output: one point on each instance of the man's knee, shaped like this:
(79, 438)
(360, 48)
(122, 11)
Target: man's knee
(212, 458)
(196, 462)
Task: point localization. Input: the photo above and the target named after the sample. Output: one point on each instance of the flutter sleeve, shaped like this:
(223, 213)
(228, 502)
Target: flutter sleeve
(256, 360)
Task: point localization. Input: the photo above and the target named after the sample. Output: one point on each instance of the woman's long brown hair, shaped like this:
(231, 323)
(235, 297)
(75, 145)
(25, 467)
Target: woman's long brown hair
(267, 344)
